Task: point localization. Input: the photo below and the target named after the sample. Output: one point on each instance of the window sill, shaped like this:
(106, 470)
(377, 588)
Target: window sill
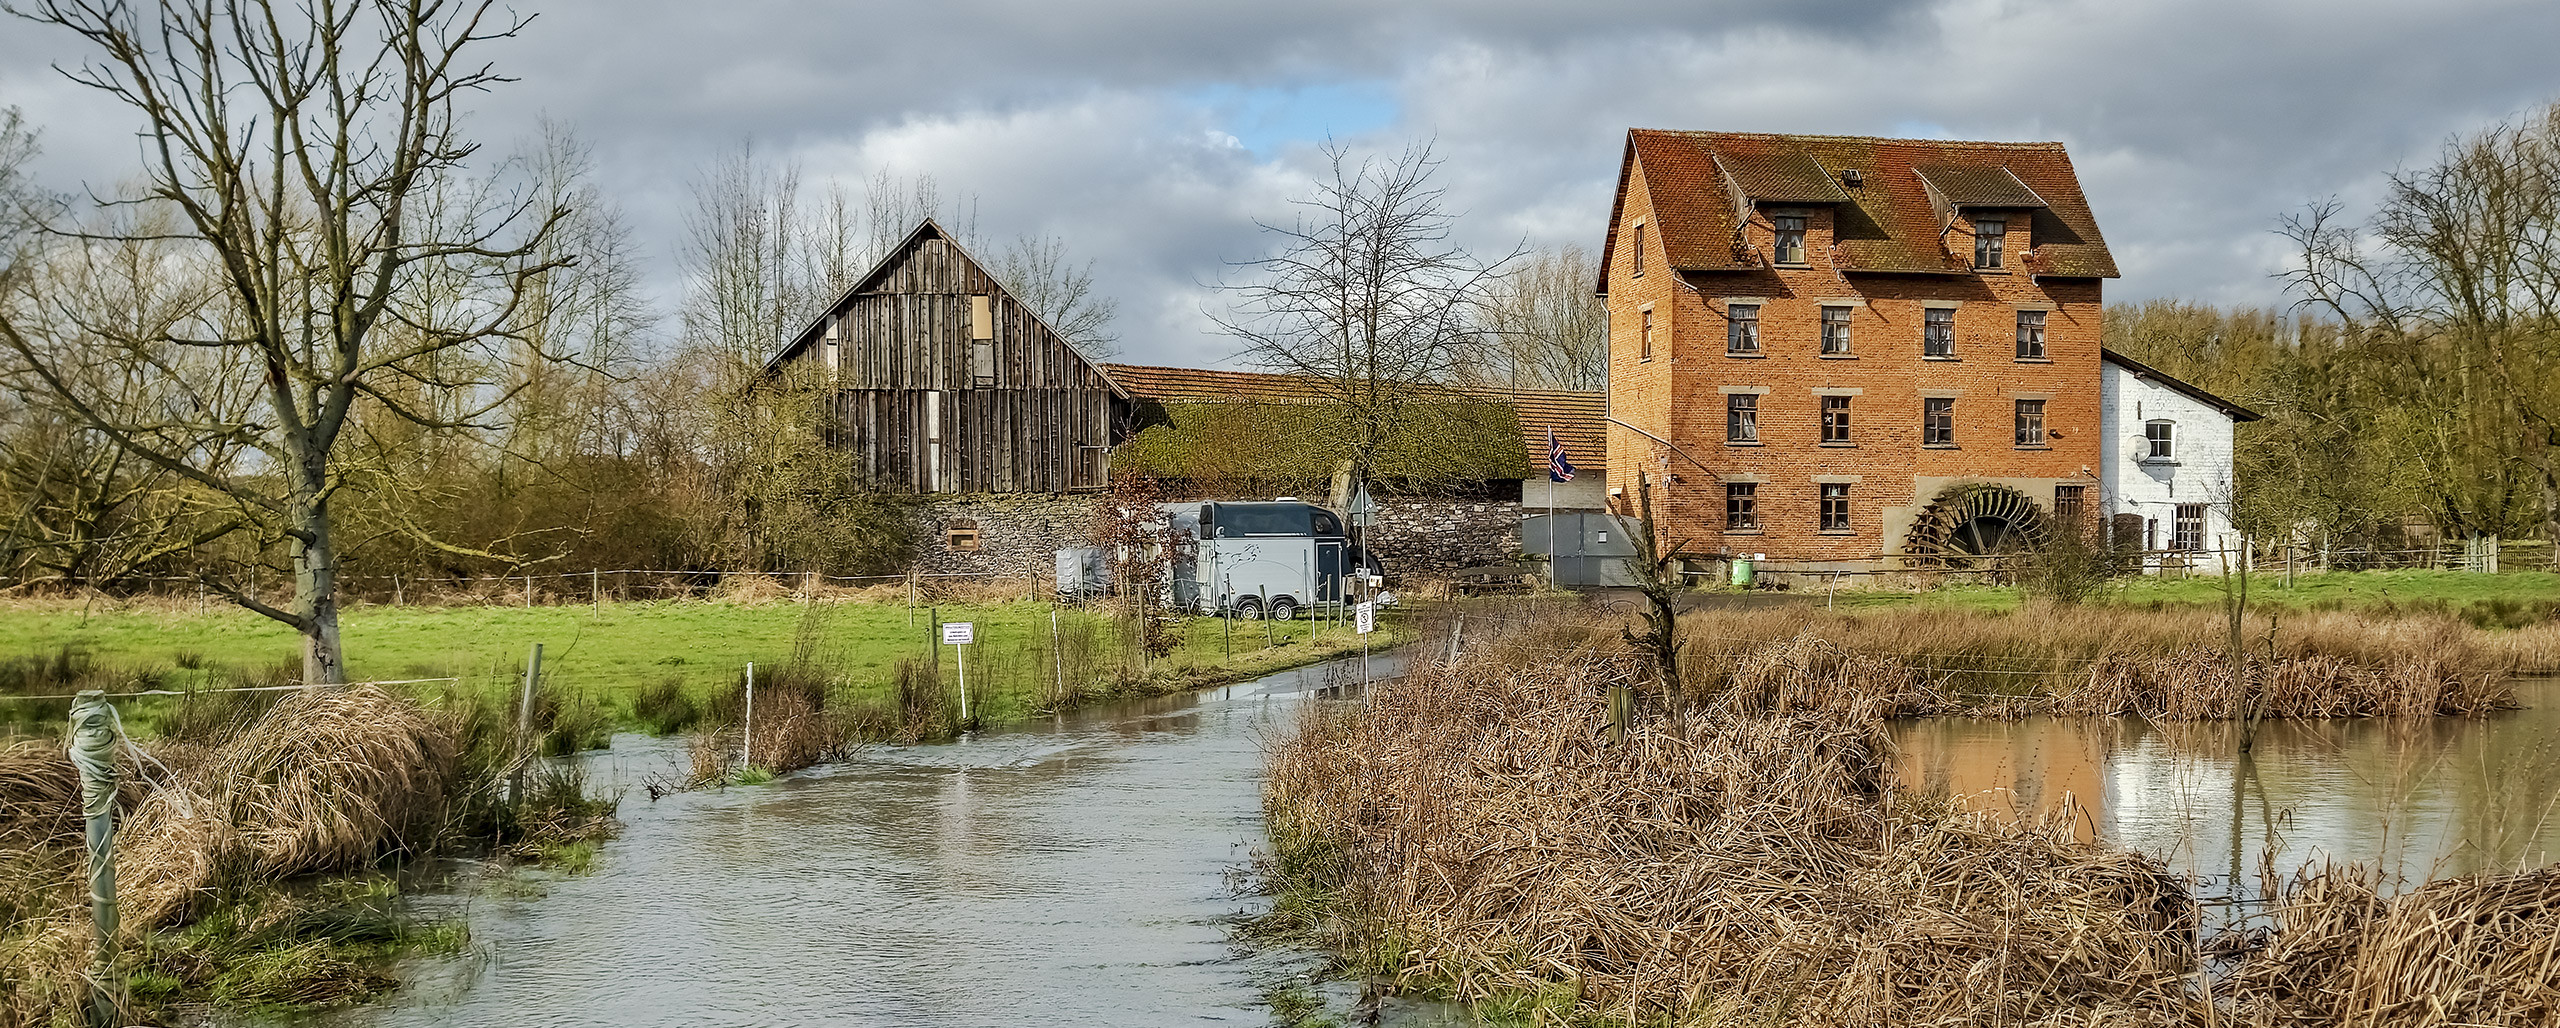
(1838, 356)
(1749, 354)
(1940, 446)
(2158, 462)
(1990, 271)
(1949, 358)
(2035, 360)
(2035, 446)
(1791, 265)
(1841, 444)
(1742, 443)
(1837, 531)
(1742, 531)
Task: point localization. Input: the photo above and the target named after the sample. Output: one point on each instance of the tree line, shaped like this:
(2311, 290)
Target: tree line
(320, 337)
(2410, 387)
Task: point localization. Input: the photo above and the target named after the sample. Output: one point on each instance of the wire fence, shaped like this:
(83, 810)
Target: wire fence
(598, 585)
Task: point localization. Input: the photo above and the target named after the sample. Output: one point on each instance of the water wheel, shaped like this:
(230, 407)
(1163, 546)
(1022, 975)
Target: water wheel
(1970, 522)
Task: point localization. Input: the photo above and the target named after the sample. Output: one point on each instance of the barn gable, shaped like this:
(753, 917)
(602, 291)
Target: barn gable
(940, 381)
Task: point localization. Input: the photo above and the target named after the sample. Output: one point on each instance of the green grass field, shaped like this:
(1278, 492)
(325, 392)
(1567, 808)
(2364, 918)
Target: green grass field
(607, 654)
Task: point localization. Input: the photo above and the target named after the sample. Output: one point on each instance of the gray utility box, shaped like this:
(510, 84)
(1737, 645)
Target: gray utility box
(1587, 549)
(1082, 573)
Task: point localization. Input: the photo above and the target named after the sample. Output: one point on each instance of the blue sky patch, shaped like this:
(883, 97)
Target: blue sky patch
(1268, 118)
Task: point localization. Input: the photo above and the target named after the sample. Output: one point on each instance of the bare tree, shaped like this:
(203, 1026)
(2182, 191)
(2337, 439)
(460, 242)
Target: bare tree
(1037, 269)
(89, 510)
(748, 284)
(299, 146)
(1543, 327)
(22, 205)
(2460, 282)
(1366, 298)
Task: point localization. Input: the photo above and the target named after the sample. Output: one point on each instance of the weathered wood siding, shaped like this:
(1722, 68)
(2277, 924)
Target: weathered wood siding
(929, 409)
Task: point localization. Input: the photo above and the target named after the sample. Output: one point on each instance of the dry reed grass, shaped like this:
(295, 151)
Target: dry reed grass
(39, 796)
(2165, 664)
(2476, 951)
(325, 781)
(1728, 863)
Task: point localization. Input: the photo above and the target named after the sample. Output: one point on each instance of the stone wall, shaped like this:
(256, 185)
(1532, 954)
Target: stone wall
(1414, 535)
(1020, 533)
(1017, 533)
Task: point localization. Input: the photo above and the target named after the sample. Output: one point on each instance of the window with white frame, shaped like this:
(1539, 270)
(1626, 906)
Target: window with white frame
(2158, 437)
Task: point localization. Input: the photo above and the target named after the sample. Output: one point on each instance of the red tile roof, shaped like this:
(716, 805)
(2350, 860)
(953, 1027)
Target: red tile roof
(1578, 418)
(1894, 221)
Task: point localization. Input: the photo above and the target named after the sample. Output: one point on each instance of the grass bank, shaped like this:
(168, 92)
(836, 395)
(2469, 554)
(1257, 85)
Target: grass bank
(663, 666)
(1479, 831)
(258, 856)
(2511, 599)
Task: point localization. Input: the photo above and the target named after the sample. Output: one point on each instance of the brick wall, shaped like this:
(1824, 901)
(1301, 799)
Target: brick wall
(1680, 394)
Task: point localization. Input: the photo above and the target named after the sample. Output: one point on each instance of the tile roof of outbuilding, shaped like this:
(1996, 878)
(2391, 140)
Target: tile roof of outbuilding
(1578, 417)
(1888, 223)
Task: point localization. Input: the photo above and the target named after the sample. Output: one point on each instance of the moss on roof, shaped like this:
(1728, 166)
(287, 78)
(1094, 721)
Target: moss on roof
(1290, 444)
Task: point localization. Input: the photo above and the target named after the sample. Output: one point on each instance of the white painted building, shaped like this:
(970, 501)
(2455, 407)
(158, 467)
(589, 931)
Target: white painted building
(2166, 464)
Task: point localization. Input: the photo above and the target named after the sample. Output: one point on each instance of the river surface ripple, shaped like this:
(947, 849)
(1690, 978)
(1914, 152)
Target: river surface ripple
(1075, 871)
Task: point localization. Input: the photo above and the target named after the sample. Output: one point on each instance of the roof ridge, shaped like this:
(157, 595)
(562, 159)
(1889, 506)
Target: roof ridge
(2008, 144)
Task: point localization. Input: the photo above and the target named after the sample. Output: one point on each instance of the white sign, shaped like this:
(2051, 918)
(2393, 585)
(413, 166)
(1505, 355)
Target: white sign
(955, 633)
(1367, 620)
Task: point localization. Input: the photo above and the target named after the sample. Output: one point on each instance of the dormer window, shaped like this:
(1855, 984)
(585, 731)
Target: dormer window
(1989, 236)
(1790, 238)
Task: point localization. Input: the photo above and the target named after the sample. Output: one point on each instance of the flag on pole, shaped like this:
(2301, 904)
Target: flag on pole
(1558, 468)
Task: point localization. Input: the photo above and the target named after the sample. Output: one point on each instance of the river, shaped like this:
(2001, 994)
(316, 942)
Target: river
(2419, 799)
(1078, 871)
(1083, 870)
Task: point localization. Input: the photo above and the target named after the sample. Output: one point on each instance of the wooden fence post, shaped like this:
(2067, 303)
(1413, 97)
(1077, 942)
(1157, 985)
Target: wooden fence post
(524, 726)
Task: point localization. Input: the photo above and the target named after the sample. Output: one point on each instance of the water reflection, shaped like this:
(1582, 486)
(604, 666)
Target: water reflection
(1069, 872)
(2421, 800)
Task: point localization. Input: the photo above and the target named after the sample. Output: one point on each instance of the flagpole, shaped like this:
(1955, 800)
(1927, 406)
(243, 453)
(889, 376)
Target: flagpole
(1552, 583)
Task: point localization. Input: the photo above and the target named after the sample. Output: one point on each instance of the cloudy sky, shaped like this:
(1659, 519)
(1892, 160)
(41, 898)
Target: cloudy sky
(1150, 136)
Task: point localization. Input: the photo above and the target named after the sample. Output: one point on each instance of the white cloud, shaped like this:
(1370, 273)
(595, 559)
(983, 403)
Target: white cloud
(1150, 136)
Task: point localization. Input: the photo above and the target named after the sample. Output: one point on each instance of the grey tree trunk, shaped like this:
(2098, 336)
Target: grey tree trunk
(315, 597)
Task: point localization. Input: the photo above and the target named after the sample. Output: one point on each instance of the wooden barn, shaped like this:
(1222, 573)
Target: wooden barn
(942, 382)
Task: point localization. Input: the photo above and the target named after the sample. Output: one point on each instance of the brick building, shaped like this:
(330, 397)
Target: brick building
(1847, 352)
